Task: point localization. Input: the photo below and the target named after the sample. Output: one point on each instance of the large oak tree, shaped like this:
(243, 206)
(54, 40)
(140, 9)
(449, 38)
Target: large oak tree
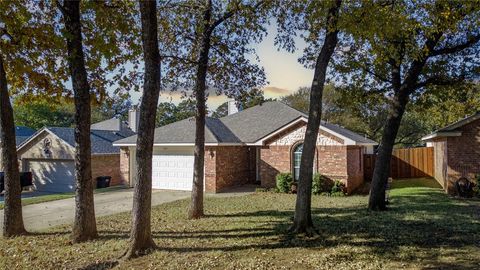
(35, 57)
(206, 45)
(400, 48)
(320, 19)
(141, 240)
(84, 226)
(27, 61)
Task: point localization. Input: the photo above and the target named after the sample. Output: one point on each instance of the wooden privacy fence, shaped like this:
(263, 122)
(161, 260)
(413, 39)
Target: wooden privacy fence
(405, 163)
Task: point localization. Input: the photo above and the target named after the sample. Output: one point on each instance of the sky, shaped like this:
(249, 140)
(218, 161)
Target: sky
(284, 73)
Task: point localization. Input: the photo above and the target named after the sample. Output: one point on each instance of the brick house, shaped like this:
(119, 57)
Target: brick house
(456, 151)
(49, 154)
(250, 146)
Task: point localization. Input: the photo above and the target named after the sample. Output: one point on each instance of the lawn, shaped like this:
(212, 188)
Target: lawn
(424, 229)
(59, 196)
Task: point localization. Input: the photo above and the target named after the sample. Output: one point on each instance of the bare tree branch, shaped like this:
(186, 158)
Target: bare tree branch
(457, 48)
(185, 60)
(439, 80)
(60, 6)
(373, 73)
(232, 12)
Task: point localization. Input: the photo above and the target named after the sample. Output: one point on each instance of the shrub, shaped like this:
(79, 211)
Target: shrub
(261, 190)
(321, 184)
(476, 188)
(337, 189)
(294, 187)
(284, 182)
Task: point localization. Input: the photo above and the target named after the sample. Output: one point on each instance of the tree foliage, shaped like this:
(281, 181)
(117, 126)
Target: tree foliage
(233, 64)
(168, 112)
(207, 45)
(400, 48)
(243, 100)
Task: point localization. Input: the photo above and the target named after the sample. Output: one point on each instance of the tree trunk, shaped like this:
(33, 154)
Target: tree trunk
(84, 226)
(196, 205)
(401, 98)
(13, 219)
(303, 218)
(141, 241)
(382, 164)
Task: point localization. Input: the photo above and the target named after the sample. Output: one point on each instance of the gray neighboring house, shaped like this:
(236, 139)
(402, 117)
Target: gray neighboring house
(49, 155)
(21, 134)
(250, 146)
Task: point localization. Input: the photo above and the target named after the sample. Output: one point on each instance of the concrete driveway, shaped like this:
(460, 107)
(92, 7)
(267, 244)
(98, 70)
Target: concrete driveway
(49, 214)
(45, 215)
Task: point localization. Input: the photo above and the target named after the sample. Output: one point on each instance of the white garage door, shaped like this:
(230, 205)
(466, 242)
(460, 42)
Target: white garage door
(172, 172)
(53, 176)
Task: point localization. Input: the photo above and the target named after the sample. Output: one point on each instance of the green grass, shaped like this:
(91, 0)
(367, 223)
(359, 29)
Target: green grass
(415, 183)
(424, 229)
(59, 196)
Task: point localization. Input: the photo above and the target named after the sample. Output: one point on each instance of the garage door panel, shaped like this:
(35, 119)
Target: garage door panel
(172, 171)
(53, 176)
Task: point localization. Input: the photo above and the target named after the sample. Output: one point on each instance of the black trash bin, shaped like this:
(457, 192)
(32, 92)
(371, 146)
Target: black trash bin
(26, 180)
(103, 181)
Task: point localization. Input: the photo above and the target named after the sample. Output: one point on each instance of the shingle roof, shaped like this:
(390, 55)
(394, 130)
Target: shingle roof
(348, 133)
(184, 132)
(247, 126)
(20, 139)
(256, 122)
(110, 124)
(451, 129)
(22, 133)
(460, 123)
(101, 139)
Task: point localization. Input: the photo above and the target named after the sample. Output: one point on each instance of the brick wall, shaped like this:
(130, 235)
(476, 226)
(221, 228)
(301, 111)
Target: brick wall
(338, 162)
(125, 165)
(107, 165)
(210, 169)
(332, 162)
(463, 154)
(228, 166)
(344, 163)
(274, 160)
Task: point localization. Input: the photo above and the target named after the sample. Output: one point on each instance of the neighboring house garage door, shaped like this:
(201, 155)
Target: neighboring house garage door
(53, 176)
(172, 172)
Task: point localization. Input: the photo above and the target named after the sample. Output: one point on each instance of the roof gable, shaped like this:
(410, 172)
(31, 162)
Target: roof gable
(101, 140)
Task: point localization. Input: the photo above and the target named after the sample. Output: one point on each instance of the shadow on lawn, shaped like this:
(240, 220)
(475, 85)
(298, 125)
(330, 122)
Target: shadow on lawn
(421, 224)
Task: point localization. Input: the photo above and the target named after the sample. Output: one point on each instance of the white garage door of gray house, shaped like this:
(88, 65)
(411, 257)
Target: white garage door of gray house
(52, 176)
(172, 171)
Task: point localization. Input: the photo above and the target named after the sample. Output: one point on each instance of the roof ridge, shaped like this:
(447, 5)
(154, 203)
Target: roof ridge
(250, 108)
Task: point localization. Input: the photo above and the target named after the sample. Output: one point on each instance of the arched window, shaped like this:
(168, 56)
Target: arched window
(296, 158)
